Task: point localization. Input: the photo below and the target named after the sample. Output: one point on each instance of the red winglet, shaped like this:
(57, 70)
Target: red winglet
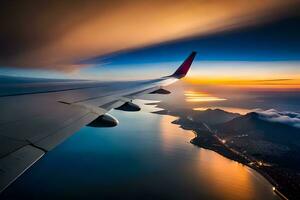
(185, 66)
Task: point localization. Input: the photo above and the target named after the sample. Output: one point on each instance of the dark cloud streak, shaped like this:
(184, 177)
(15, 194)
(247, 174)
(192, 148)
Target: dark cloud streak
(57, 34)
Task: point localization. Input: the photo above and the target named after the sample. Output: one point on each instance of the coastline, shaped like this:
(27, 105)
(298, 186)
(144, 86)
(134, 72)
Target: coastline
(221, 149)
(278, 176)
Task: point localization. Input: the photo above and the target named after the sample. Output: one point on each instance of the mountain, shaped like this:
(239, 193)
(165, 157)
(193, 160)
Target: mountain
(213, 116)
(255, 127)
(208, 116)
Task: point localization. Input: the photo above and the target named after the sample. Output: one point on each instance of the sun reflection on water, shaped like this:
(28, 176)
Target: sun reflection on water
(216, 176)
(225, 176)
(192, 96)
(167, 133)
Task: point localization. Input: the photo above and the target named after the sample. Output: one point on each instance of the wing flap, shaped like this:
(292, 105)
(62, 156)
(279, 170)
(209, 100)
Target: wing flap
(13, 165)
(56, 138)
(9, 145)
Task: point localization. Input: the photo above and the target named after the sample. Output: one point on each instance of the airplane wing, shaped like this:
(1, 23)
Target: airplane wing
(37, 115)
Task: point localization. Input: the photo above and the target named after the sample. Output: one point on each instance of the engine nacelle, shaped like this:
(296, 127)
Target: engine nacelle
(160, 91)
(129, 106)
(105, 120)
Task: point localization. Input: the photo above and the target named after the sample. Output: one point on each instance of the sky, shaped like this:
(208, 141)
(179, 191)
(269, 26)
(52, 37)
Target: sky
(239, 43)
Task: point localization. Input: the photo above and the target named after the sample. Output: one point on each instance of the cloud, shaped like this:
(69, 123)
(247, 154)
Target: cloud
(286, 117)
(55, 34)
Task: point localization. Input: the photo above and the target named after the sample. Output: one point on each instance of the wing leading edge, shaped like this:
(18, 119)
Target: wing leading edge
(49, 112)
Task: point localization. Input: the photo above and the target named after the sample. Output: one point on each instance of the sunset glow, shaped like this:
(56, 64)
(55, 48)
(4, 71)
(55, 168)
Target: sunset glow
(259, 75)
(244, 83)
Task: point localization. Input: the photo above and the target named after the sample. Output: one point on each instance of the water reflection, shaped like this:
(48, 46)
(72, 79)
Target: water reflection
(167, 131)
(231, 179)
(145, 156)
(192, 96)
